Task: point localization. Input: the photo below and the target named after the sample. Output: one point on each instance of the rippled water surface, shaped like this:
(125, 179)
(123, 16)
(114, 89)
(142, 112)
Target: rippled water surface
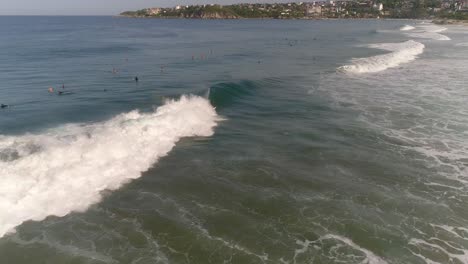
(244, 141)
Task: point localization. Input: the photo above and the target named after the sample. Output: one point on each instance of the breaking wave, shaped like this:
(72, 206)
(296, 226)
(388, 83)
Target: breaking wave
(66, 169)
(224, 94)
(406, 28)
(403, 52)
(428, 31)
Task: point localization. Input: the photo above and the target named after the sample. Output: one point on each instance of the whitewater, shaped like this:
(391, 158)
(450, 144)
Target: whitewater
(400, 53)
(312, 166)
(406, 28)
(428, 31)
(66, 169)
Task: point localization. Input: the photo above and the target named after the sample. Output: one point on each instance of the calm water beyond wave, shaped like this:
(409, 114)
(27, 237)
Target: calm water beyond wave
(244, 141)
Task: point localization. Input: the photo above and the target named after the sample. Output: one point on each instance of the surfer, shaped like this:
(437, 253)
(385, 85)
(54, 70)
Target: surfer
(136, 79)
(4, 106)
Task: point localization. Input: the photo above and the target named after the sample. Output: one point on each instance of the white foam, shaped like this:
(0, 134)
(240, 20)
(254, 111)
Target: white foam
(463, 44)
(433, 28)
(403, 52)
(66, 169)
(406, 28)
(429, 35)
(456, 231)
(368, 258)
(428, 31)
(421, 244)
(371, 258)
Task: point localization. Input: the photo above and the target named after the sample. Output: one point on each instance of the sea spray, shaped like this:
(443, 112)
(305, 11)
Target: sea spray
(65, 169)
(403, 52)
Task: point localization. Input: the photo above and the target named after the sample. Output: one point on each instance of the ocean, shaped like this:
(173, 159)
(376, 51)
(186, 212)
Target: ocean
(243, 141)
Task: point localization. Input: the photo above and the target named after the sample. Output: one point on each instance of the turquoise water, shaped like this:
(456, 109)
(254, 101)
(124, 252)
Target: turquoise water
(244, 141)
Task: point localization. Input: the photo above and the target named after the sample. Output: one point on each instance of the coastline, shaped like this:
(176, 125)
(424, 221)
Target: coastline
(432, 20)
(450, 22)
(435, 21)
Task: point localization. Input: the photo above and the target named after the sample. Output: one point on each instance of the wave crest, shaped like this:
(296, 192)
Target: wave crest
(66, 169)
(403, 52)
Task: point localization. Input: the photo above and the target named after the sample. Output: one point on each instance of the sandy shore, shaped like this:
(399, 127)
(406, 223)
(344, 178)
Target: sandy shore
(450, 22)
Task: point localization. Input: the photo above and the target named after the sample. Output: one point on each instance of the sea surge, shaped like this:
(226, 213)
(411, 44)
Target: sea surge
(66, 169)
(400, 53)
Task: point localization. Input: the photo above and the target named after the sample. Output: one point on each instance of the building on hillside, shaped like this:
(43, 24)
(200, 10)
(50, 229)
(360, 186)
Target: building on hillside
(314, 11)
(445, 4)
(464, 5)
(153, 11)
(378, 7)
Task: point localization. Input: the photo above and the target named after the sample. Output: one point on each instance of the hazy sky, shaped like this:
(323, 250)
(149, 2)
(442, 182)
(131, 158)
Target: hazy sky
(94, 7)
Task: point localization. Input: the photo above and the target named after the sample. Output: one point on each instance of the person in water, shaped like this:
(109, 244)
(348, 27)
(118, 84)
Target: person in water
(51, 90)
(136, 78)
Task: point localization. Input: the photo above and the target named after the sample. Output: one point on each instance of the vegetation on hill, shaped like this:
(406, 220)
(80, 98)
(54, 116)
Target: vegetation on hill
(448, 9)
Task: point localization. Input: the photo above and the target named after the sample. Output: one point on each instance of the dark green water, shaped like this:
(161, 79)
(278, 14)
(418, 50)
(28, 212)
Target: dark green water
(296, 163)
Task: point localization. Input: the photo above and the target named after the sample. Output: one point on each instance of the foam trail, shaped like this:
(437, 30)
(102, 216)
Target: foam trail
(462, 255)
(66, 169)
(403, 52)
(370, 258)
(406, 28)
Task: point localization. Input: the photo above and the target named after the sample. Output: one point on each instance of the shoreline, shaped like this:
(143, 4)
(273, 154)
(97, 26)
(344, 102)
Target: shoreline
(437, 21)
(271, 18)
(432, 20)
(450, 22)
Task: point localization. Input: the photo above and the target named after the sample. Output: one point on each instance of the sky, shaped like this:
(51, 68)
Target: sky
(96, 7)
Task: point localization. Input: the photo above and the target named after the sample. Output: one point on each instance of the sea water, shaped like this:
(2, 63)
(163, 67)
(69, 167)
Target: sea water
(243, 141)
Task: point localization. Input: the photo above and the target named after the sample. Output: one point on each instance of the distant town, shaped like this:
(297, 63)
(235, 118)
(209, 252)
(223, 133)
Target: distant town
(445, 9)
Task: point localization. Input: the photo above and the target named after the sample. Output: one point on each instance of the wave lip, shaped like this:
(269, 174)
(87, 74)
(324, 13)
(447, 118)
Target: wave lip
(403, 52)
(66, 169)
(407, 28)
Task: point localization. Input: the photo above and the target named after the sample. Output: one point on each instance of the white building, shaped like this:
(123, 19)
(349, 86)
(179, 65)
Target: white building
(378, 7)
